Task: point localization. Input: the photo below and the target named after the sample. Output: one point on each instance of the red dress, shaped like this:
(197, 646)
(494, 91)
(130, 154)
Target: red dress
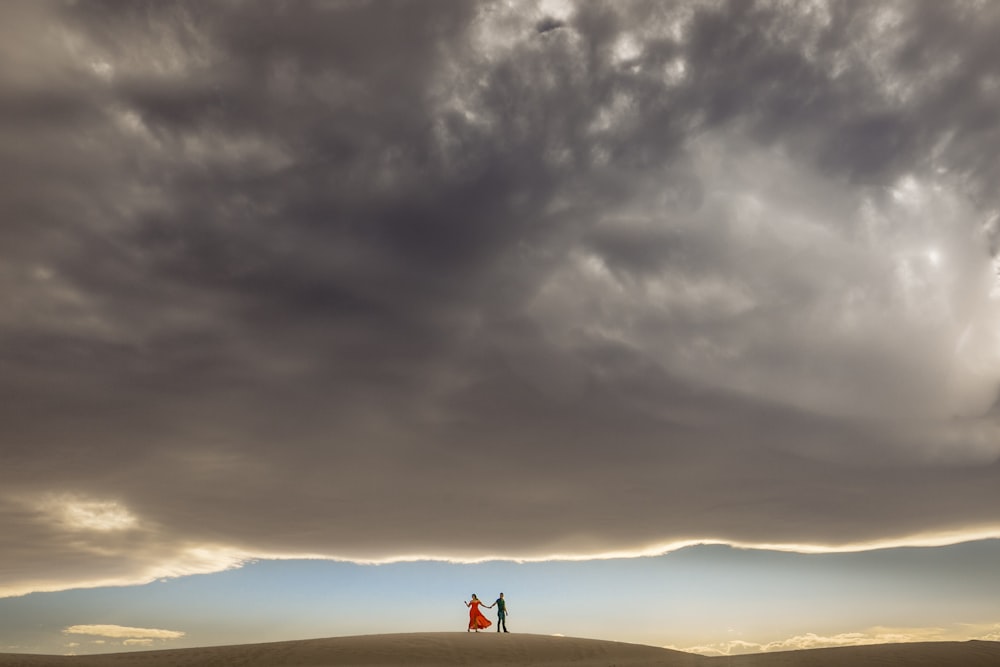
(476, 619)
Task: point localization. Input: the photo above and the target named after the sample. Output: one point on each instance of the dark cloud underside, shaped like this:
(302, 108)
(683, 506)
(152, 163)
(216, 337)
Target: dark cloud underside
(462, 279)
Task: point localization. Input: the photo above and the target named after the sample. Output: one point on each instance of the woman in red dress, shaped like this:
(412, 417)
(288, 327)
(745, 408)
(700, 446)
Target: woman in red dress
(477, 621)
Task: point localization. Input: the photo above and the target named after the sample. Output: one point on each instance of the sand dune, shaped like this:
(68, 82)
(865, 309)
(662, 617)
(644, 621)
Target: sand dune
(924, 654)
(445, 648)
(496, 650)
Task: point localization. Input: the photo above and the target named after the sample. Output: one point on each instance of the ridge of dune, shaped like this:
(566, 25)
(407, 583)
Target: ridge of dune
(430, 649)
(495, 650)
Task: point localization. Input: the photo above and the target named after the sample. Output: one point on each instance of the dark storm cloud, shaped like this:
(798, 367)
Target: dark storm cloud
(548, 24)
(372, 280)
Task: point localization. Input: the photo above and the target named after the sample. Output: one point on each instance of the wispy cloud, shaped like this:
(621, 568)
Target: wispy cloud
(88, 514)
(138, 642)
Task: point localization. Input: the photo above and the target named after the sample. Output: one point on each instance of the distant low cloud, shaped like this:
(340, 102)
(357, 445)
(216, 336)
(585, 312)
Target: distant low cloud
(129, 634)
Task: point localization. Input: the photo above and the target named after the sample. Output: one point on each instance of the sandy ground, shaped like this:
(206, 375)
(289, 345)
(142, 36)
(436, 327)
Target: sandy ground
(496, 650)
(927, 654)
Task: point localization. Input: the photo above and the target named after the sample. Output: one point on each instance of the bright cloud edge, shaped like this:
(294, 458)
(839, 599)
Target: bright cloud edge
(213, 560)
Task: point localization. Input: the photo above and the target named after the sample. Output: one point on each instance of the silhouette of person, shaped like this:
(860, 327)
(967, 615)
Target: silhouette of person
(477, 621)
(501, 606)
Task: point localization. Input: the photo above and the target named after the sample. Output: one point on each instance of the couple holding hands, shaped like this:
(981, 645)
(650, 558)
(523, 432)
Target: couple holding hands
(479, 622)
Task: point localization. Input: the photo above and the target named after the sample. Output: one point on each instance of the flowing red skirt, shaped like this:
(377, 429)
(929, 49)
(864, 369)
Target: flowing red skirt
(476, 619)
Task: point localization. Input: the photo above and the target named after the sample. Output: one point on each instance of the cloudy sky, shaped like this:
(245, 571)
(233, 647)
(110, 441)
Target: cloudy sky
(454, 282)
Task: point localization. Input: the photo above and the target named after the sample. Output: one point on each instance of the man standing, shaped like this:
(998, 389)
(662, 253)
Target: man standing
(501, 606)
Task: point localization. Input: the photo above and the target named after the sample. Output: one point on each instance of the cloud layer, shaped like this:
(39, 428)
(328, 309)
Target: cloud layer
(370, 281)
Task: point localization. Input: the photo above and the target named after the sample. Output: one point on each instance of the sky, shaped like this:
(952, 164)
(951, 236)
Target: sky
(315, 310)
